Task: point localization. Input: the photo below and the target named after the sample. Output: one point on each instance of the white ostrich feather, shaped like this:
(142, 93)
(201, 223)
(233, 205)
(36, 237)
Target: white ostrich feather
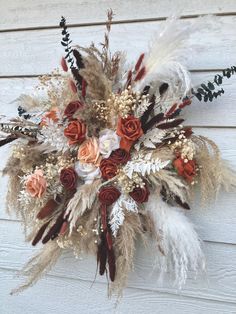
(169, 53)
(180, 242)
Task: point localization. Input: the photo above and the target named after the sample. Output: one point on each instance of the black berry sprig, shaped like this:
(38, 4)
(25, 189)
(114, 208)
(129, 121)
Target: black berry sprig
(209, 91)
(76, 65)
(66, 41)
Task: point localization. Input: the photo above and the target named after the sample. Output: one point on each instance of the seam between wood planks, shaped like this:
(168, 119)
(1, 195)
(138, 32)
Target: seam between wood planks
(38, 75)
(131, 287)
(127, 21)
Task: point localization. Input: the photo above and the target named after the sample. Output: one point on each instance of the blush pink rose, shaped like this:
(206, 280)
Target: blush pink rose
(89, 151)
(36, 184)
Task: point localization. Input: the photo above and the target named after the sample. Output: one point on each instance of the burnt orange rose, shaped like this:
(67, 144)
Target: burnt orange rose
(52, 115)
(120, 156)
(129, 129)
(187, 170)
(140, 195)
(89, 151)
(36, 184)
(108, 195)
(68, 178)
(108, 169)
(75, 132)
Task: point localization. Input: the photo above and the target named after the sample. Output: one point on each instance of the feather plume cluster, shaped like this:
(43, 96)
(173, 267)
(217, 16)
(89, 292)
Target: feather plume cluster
(105, 158)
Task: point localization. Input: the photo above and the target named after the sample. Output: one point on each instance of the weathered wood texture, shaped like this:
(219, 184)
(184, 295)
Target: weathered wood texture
(29, 13)
(34, 52)
(30, 46)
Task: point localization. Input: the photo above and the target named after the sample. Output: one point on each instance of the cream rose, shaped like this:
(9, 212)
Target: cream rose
(87, 172)
(108, 141)
(36, 184)
(89, 151)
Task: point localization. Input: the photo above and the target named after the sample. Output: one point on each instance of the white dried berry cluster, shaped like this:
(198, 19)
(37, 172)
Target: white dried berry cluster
(183, 145)
(128, 184)
(126, 102)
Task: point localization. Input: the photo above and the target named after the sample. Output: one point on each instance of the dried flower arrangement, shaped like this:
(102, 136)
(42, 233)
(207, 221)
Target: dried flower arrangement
(104, 158)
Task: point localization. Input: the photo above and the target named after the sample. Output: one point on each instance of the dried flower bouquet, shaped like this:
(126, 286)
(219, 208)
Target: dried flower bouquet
(103, 157)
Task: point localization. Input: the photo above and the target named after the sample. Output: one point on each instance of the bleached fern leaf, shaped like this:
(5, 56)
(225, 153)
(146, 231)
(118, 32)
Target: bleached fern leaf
(117, 214)
(151, 138)
(145, 165)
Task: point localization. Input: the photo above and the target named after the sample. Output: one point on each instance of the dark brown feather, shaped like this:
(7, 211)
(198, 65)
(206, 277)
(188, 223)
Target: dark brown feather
(158, 118)
(7, 140)
(54, 230)
(163, 88)
(180, 203)
(111, 264)
(48, 209)
(40, 234)
(102, 255)
(78, 58)
(147, 113)
(168, 125)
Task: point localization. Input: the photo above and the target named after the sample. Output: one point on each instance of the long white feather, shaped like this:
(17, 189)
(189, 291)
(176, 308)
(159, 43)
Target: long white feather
(169, 53)
(179, 241)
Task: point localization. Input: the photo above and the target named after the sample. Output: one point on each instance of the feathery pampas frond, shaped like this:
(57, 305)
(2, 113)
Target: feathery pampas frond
(81, 201)
(214, 173)
(179, 242)
(168, 55)
(124, 245)
(39, 265)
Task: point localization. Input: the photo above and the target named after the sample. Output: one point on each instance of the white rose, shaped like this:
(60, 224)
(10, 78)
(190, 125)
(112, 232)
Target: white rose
(108, 141)
(87, 172)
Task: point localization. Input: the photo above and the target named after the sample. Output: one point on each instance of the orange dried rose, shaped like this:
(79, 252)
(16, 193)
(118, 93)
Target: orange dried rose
(52, 115)
(187, 170)
(140, 195)
(108, 168)
(129, 129)
(75, 132)
(36, 184)
(89, 151)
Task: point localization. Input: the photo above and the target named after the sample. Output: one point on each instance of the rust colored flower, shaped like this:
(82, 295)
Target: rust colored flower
(52, 115)
(140, 195)
(108, 195)
(36, 184)
(68, 178)
(89, 151)
(187, 170)
(108, 168)
(75, 132)
(129, 129)
(71, 108)
(120, 156)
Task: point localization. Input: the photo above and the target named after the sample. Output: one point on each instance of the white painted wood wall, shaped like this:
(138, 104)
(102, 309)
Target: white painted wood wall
(30, 46)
